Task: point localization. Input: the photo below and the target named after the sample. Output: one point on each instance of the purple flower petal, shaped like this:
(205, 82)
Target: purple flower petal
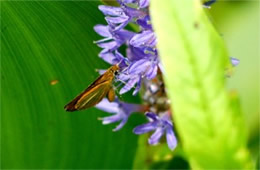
(110, 10)
(123, 77)
(171, 139)
(139, 66)
(134, 53)
(143, 3)
(137, 88)
(161, 124)
(152, 116)
(234, 61)
(121, 59)
(132, 107)
(152, 72)
(108, 57)
(108, 45)
(155, 138)
(130, 84)
(145, 22)
(152, 42)
(121, 124)
(124, 35)
(110, 119)
(118, 27)
(146, 38)
(145, 128)
(134, 13)
(110, 107)
(129, 1)
(103, 30)
(121, 111)
(166, 120)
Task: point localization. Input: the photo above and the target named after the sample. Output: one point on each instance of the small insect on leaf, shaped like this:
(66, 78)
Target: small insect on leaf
(100, 88)
(53, 82)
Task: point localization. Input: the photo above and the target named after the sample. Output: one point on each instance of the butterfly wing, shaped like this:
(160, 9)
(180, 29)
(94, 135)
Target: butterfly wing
(95, 92)
(90, 97)
(94, 96)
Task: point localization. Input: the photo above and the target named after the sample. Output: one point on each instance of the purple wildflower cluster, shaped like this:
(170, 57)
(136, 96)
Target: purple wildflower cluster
(140, 67)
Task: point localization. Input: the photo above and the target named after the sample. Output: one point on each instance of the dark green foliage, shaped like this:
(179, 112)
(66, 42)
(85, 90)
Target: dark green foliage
(41, 42)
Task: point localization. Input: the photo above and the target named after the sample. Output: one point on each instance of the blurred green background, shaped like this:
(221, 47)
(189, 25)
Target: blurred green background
(46, 41)
(238, 23)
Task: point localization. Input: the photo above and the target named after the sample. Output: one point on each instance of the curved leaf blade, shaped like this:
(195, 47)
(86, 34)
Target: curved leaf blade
(194, 56)
(48, 57)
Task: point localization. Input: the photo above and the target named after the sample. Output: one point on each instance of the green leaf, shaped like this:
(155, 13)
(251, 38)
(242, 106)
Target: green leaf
(48, 57)
(210, 126)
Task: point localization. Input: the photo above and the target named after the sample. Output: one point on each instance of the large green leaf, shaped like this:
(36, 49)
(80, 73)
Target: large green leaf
(41, 42)
(209, 123)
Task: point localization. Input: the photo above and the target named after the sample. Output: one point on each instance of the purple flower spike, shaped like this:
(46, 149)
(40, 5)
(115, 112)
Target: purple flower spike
(140, 65)
(121, 111)
(162, 125)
